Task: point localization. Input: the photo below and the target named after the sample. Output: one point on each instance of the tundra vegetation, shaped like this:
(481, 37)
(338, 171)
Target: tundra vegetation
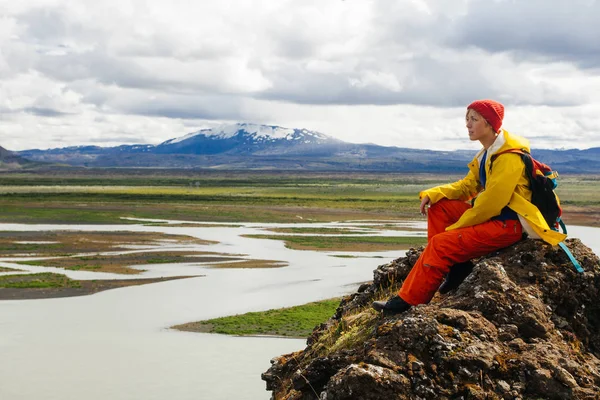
(107, 195)
(111, 196)
(297, 321)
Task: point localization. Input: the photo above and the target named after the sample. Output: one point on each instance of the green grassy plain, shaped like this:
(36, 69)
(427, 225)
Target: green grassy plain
(41, 280)
(123, 263)
(346, 243)
(103, 196)
(220, 197)
(296, 321)
(6, 269)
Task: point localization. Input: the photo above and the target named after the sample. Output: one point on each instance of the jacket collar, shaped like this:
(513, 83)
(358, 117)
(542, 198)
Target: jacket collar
(497, 145)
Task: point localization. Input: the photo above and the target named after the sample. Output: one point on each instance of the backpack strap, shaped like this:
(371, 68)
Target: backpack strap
(524, 156)
(571, 257)
(562, 225)
(522, 151)
(518, 151)
(563, 246)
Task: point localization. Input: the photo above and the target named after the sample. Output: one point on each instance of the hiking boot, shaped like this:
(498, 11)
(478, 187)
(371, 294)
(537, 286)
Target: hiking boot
(395, 305)
(458, 273)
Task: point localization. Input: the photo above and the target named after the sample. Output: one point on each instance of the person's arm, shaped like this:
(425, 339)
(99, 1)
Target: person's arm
(507, 170)
(425, 203)
(464, 189)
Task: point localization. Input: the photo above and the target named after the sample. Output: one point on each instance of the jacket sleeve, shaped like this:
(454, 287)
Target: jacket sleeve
(464, 189)
(506, 172)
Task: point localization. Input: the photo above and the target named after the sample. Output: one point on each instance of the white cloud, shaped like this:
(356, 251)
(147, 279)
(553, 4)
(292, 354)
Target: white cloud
(389, 72)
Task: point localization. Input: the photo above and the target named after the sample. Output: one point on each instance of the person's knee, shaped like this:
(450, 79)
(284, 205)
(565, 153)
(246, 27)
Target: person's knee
(443, 243)
(442, 250)
(453, 208)
(440, 204)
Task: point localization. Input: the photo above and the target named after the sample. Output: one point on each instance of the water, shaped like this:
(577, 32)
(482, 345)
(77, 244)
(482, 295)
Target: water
(117, 344)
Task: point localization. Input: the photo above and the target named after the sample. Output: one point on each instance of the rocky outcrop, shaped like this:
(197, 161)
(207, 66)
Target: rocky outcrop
(525, 324)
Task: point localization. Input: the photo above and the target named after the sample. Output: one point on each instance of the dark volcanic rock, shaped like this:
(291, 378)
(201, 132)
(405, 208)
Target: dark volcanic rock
(523, 325)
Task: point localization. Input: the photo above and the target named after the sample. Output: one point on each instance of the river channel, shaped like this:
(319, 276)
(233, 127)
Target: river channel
(117, 344)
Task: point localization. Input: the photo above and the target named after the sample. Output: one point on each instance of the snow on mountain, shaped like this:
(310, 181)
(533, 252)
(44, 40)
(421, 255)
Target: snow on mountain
(259, 133)
(181, 139)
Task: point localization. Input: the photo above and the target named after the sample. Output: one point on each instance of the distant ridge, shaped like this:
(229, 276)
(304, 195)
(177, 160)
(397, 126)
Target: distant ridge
(10, 160)
(244, 146)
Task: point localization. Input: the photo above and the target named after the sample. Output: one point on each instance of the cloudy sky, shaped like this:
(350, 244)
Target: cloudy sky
(391, 72)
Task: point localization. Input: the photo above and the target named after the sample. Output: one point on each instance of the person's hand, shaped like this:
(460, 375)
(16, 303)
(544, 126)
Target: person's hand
(425, 203)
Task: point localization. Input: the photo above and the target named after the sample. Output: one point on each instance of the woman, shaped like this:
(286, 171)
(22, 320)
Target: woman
(458, 232)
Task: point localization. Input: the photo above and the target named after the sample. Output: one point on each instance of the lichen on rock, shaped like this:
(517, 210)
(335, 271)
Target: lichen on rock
(524, 324)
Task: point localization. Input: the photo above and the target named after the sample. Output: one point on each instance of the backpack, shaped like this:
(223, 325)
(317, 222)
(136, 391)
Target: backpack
(542, 182)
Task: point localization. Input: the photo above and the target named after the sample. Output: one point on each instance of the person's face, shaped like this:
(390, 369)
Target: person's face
(477, 126)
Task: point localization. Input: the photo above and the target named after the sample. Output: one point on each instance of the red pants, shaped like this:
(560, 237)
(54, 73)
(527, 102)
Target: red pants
(446, 248)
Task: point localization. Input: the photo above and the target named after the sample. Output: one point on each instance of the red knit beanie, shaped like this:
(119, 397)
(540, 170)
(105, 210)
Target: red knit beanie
(491, 110)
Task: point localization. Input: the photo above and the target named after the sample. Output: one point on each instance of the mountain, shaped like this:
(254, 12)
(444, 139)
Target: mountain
(573, 160)
(250, 146)
(249, 139)
(9, 160)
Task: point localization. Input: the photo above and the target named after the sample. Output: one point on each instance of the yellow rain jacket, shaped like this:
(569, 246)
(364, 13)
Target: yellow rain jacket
(506, 185)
